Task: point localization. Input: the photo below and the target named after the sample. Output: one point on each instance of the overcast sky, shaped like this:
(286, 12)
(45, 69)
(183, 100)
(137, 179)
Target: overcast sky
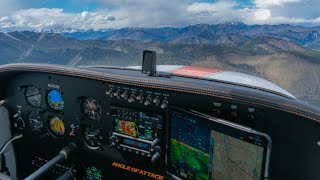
(102, 14)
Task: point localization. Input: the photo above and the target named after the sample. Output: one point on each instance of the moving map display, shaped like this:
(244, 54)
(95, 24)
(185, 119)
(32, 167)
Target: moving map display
(232, 158)
(201, 148)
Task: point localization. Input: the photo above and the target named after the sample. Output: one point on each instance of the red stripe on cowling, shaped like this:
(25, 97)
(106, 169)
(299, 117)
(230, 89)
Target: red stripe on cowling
(195, 71)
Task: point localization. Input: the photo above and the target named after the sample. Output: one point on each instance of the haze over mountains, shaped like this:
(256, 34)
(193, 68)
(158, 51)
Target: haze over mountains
(286, 55)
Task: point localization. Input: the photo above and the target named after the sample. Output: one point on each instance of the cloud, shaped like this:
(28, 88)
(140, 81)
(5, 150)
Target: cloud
(211, 7)
(261, 14)
(270, 3)
(155, 13)
(8, 6)
(44, 18)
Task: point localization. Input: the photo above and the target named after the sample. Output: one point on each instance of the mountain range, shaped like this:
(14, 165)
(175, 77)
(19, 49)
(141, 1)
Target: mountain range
(225, 33)
(287, 55)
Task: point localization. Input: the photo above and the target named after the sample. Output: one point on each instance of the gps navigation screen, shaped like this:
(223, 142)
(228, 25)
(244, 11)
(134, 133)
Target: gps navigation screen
(232, 158)
(203, 149)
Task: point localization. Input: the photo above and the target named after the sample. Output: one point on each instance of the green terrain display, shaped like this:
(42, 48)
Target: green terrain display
(189, 159)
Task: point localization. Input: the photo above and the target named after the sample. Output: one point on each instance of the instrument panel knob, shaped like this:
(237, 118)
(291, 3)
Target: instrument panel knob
(108, 92)
(234, 115)
(164, 104)
(156, 100)
(217, 112)
(124, 95)
(155, 157)
(139, 97)
(155, 142)
(115, 94)
(132, 98)
(148, 101)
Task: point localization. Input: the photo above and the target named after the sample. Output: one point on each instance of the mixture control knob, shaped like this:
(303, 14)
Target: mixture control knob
(124, 95)
(132, 98)
(148, 101)
(155, 157)
(156, 100)
(164, 104)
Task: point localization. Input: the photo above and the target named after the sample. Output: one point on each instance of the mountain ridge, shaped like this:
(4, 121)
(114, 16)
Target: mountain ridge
(289, 58)
(228, 33)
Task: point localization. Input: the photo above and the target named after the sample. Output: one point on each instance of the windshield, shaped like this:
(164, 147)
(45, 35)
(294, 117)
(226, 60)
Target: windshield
(277, 40)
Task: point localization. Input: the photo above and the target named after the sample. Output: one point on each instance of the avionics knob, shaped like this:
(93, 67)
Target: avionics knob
(155, 157)
(217, 112)
(139, 97)
(155, 142)
(108, 92)
(124, 95)
(113, 138)
(251, 116)
(148, 101)
(132, 98)
(164, 104)
(234, 115)
(156, 100)
(115, 94)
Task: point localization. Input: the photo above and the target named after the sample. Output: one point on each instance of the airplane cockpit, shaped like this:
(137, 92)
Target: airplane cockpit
(152, 122)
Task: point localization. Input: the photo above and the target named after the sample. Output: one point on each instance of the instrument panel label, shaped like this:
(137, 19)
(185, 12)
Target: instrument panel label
(53, 86)
(138, 171)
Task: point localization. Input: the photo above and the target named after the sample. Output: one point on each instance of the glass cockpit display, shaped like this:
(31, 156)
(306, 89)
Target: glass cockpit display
(134, 129)
(55, 100)
(201, 148)
(189, 146)
(232, 158)
(137, 131)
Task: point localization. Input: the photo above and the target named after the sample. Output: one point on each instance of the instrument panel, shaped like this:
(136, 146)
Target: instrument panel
(126, 130)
